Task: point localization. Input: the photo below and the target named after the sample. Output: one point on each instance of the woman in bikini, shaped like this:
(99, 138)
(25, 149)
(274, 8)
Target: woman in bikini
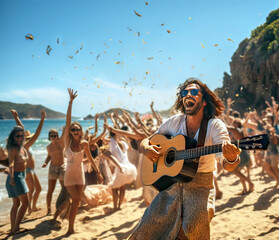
(15, 183)
(75, 147)
(32, 179)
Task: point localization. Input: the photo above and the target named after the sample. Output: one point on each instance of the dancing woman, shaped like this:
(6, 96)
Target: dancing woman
(75, 147)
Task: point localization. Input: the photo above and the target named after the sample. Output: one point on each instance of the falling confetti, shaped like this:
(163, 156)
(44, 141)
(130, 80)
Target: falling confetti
(143, 41)
(97, 58)
(57, 40)
(138, 34)
(204, 59)
(150, 58)
(215, 45)
(92, 106)
(117, 62)
(146, 3)
(146, 72)
(162, 24)
(29, 36)
(202, 45)
(84, 78)
(81, 47)
(76, 51)
(190, 18)
(230, 40)
(48, 49)
(91, 52)
(137, 13)
(237, 95)
(120, 41)
(70, 56)
(169, 31)
(129, 29)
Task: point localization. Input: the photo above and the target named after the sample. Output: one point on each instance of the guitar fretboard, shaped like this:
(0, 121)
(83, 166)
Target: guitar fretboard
(197, 152)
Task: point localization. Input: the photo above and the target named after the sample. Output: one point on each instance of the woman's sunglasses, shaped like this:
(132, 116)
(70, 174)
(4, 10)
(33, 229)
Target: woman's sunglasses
(194, 92)
(75, 130)
(53, 136)
(19, 136)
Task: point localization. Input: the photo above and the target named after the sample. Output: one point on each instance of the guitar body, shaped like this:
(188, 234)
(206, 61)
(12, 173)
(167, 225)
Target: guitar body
(168, 171)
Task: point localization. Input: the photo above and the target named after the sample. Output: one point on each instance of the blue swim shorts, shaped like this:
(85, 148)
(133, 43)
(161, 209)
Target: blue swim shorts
(20, 185)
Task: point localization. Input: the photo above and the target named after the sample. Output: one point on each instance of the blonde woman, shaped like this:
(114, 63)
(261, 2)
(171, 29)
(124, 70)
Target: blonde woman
(75, 147)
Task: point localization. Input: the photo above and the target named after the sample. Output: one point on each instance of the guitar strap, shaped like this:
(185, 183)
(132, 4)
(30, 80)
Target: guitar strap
(202, 132)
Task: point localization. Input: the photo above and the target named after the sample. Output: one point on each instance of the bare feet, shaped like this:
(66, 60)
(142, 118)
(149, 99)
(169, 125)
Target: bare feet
(35, 209)
(48, 212)
(72, 231)
(243, 192)
(251, 187)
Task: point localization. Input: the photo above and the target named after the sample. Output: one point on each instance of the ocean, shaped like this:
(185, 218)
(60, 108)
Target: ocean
(39, 151)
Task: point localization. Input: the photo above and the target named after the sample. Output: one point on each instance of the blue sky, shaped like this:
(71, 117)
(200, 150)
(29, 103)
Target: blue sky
(123, 60)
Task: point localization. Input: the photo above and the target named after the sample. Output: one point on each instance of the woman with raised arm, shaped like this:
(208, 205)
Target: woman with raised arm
(76, 146)
(15, 182)
(32, 179)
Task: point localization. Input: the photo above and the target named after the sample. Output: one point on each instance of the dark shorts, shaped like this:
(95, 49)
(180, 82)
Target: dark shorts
(56, 172)
(20, 185)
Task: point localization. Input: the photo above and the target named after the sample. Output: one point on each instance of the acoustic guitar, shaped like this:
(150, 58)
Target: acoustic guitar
(180, 158)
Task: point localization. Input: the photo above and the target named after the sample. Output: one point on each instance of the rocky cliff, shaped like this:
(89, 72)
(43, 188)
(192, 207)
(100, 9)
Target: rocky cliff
(254, 68)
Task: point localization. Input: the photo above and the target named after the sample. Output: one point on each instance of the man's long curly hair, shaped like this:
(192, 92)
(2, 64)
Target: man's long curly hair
(214, 106)
(11, 143)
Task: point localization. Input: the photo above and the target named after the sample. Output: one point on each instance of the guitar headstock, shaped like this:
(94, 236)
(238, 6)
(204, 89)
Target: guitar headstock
(257, 142)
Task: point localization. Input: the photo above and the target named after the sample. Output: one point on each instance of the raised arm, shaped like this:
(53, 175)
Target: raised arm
(102, 135)
(15, 115)
(72, 95)
(159, 120)
(30, 142)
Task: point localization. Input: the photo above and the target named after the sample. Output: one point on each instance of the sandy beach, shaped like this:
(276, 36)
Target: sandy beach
(250, 216)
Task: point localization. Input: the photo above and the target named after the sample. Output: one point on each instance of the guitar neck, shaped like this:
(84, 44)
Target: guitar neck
(198, 152)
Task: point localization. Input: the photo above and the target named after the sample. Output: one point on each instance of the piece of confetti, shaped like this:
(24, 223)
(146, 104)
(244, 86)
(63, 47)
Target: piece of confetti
(76, 51)
(215, 45)
(29, 36)
(150, 58)
(70, 56)
(117, 62)
(190, 18)
(143, 41)
(57, 40)
(169, 31)
(230, 40)
(48, 49)
(137, 13)
(202, 45)
(146, 3)
(92, 106)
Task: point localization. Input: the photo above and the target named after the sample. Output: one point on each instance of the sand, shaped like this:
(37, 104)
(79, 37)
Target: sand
(250, 216)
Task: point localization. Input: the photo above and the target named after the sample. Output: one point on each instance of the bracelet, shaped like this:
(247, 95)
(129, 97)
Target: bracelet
(232, 162)
(70, 102)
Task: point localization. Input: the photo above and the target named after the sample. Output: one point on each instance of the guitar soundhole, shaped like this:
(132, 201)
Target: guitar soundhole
(170, 157)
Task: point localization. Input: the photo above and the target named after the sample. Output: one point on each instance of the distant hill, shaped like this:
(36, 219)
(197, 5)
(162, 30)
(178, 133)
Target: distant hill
(26, 111)
(164, 113)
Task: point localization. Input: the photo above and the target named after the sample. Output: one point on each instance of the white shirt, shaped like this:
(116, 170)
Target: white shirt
(216, 134)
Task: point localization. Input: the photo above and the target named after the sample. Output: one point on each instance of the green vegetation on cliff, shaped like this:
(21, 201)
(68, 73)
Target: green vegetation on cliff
(26, 111)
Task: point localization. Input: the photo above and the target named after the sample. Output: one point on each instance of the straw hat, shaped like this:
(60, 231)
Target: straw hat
(28, 135)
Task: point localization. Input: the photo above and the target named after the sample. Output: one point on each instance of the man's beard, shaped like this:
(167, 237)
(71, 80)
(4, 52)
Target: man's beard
(193, 111)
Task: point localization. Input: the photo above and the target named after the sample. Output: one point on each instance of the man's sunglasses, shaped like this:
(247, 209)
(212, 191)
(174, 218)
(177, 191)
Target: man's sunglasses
(19, 136)
(53, 136)
(184, 92)
(75, 130)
